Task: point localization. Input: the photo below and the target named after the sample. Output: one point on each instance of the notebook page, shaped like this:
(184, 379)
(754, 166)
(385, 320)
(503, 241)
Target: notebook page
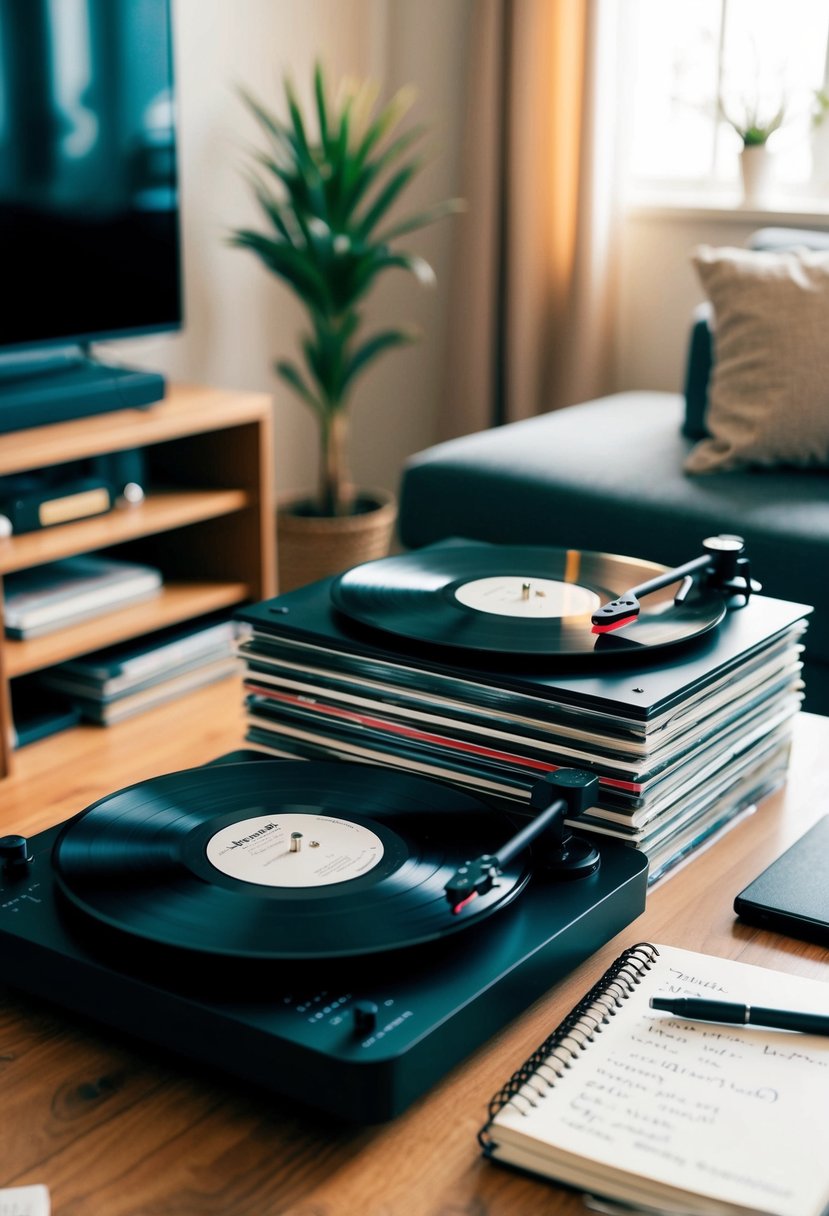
(24, 1201)
(739, 1114)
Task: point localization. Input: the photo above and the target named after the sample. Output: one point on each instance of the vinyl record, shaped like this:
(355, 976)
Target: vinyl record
(281, 860)
(504, 599)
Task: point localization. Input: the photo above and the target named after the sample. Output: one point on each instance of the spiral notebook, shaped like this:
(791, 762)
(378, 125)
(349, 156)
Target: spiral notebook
(649, 1110)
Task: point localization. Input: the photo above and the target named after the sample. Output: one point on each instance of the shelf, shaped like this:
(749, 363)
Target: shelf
(187, 410)
(207, 522)
(176, 603)
(157, 513)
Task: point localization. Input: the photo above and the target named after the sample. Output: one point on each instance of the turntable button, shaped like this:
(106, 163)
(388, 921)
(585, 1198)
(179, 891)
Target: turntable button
(364, 1014)
(14, 852)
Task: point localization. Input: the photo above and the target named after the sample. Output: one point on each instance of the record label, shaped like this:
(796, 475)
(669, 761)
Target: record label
(294, 850)
(527, 596)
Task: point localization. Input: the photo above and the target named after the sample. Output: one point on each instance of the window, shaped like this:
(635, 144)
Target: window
(756, 56)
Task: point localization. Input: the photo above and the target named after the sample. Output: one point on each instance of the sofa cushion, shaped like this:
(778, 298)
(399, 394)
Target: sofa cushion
(698, 365)
(606, 475)
(769, 392)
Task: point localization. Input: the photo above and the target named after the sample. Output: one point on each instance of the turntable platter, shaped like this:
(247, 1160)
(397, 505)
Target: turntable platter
(517, 600)
(287, 860)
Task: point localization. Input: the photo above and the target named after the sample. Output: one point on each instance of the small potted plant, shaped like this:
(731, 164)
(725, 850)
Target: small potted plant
(754, 125)
(325, 190)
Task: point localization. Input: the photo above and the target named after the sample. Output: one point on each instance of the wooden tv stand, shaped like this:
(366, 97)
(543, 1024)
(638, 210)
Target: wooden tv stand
(208, 519)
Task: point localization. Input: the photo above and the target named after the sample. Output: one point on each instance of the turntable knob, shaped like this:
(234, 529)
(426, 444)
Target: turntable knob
(14, 852)
(365, 1016)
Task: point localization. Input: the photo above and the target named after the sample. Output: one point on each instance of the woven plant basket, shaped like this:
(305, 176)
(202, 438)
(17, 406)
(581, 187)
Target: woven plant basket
(311, 547)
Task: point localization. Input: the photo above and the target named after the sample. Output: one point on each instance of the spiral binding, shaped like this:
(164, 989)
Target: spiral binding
(538, 1074)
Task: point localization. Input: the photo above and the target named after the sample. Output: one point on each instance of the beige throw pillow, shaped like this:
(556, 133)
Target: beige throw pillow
(768, 400)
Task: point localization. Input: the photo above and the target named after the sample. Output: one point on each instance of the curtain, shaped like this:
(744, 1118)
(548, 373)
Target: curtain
(532, 282)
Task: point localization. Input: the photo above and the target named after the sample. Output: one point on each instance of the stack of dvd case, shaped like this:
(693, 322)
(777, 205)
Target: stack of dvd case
(682, 742)
(110, 685)
(44, 599)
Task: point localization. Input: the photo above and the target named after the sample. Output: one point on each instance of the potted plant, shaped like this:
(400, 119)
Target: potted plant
(754, 125)
(325, 190)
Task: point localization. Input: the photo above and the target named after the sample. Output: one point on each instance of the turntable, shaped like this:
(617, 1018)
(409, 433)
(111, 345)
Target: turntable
(339, 934)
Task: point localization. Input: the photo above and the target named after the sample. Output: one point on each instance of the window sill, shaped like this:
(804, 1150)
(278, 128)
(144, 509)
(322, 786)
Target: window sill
(812, 212)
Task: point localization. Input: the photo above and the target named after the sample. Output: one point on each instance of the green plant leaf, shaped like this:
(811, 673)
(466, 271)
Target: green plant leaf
(326, 353)
(274, 211)
(385, 259)
(283, 172)
(750, 123)
(372, 170)
(450, 207)
(308, 174)
(375, 345)
(300, 137)
(289, 263)
(315, 357)
(298, 203)
(385, 122)
(322, 109)
(291, 374)
(385, 199)
(340, 162)
(272, 125)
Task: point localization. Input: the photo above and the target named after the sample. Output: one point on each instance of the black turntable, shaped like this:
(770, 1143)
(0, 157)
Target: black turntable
(323, 930)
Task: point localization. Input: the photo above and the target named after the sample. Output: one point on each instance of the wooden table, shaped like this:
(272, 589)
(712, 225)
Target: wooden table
(117, 1129)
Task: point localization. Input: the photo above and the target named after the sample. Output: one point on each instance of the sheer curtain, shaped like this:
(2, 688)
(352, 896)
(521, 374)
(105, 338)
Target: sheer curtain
(530, 318)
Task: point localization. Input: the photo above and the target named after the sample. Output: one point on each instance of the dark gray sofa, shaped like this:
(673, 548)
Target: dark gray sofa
(607, 475)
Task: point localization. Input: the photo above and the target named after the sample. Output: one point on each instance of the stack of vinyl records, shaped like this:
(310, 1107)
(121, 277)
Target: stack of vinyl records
(488, 666)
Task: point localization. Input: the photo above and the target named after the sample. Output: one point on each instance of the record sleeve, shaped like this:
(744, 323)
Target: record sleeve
(321, 705)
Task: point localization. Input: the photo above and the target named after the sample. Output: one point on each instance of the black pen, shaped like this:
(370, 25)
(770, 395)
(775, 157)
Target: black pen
(743, 1015)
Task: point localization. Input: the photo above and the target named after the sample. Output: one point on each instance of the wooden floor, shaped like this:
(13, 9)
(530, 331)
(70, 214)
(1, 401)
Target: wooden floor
(118, 1129)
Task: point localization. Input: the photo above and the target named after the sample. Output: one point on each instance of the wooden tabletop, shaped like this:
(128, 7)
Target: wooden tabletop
(118, 1129)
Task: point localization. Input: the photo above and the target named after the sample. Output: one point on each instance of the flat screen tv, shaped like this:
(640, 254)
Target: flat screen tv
(89, 229)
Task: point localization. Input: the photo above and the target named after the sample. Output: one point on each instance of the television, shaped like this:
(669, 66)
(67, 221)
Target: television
(89, 222)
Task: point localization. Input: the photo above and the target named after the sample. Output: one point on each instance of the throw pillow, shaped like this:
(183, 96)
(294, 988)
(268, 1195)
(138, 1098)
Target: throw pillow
(769, 390)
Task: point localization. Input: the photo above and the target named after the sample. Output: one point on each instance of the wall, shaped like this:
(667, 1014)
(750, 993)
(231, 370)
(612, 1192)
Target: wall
(238, 317)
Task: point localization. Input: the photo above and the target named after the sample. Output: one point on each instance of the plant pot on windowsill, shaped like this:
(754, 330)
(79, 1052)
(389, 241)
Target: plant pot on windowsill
(755, 125)
(755, 171)
(312, 546)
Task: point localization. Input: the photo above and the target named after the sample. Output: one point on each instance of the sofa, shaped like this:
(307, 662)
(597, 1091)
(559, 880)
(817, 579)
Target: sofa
(608, 475)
